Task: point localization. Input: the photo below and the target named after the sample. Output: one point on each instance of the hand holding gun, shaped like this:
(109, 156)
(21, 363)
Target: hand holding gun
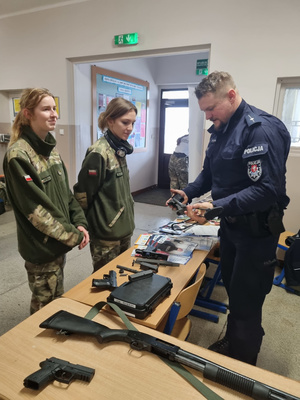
(176, 203)
(210, 213)
(66, 323)
(109, 281)
(59, 370)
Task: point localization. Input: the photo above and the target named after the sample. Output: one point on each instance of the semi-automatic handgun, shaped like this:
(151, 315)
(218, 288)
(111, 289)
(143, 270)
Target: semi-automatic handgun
(59, 370)
(109, 281)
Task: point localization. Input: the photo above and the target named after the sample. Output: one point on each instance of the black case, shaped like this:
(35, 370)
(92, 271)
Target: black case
(139, 298)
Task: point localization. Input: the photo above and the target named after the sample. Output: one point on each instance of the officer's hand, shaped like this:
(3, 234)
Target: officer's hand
(181, 193)
(86, 237)
(196, 211)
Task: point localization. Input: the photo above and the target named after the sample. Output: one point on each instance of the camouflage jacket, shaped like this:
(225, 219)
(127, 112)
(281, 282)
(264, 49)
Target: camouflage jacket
(103, 191)
(46, 211)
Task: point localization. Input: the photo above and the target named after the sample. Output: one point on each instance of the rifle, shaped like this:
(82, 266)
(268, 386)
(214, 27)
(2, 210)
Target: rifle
(67, 323)
(59, 370)
(109, 281)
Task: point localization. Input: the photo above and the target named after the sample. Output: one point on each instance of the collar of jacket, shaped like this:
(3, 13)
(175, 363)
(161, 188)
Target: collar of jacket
(43, 147)
(119, 142)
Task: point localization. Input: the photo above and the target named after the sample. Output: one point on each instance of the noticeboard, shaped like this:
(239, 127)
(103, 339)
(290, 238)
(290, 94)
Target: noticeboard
(107, 85)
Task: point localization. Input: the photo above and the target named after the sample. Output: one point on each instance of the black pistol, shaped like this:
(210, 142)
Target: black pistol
(176, 203)
(109, 281)
(59, 370)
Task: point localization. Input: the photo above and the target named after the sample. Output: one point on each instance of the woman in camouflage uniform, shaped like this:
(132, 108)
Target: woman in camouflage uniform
(103, 188)
(49, 220)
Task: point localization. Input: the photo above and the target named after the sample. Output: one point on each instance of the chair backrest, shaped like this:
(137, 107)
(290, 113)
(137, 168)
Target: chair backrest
(187, 296)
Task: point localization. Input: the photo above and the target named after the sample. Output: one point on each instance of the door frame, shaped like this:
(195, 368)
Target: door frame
(164, 158)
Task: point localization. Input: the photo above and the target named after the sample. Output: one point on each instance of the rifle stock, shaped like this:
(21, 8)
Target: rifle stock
(66, 322)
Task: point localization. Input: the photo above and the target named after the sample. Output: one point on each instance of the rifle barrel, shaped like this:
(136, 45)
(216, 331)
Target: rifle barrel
(233, 380)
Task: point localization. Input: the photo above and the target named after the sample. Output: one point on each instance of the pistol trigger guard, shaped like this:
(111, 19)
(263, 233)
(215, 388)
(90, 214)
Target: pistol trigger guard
(137, 346)
(63, 376)
(63, 332)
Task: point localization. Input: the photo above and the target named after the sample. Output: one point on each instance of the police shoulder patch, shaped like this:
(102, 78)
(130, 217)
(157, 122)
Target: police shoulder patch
(254, 169)
(255, 150)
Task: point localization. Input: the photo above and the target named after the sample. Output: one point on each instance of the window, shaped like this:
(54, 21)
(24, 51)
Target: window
(287, 106)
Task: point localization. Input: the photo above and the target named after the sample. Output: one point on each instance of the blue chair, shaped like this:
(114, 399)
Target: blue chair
(204, 296)
(177, 323)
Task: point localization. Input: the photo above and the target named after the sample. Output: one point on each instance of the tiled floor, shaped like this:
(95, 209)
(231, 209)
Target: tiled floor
(280, 351)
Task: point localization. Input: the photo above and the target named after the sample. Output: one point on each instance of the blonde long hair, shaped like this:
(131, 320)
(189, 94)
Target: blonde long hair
(30, 98)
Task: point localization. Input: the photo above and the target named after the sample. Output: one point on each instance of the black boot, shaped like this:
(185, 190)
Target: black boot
(221, 346)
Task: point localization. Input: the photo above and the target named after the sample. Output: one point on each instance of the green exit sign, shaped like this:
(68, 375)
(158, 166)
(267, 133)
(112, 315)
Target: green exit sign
(203, 71)
(202, 67)
(127, 39)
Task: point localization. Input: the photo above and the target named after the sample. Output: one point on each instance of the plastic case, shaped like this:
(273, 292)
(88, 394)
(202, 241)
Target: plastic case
(139, 298)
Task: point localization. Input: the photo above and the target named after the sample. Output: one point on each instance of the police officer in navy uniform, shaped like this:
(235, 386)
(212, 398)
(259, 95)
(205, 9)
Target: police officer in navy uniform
(245, 170)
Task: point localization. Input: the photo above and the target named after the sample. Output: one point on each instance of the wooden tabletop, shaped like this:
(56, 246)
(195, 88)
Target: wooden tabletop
(119, 372)
(180, 276)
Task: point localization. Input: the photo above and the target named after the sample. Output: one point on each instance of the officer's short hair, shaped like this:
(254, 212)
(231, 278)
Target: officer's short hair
(217, 82)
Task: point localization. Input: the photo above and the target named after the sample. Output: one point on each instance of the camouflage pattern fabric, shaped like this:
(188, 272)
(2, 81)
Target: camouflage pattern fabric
(45, 282)
(104, 251)
(178, 172)
(3, 193)
(47, 214)
(103, 191)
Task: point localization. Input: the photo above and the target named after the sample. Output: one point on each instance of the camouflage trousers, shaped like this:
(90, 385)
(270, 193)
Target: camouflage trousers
(104, 251)
(46, 282)
(178, 172)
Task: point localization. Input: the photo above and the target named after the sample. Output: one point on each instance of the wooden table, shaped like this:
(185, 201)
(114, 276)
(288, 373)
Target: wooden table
(119, 373)
(282, 237)
(180, 276)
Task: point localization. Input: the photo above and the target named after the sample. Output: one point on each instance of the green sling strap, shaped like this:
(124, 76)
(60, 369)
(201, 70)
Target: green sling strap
(203, 389)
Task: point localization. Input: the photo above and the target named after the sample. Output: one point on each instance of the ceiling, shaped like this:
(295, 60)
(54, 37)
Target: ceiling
(9, 8)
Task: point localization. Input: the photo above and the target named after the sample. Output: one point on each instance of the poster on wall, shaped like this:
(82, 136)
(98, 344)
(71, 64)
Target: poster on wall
(106, 85)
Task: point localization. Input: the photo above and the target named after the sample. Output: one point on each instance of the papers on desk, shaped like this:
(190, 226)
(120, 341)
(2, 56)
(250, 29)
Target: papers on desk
(203, 230)
(178, 239)
(202, 242)
(178, 249)
(204, 236)
(177, 227)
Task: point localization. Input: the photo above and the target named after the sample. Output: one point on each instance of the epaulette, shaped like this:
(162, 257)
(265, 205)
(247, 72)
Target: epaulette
(252, 119)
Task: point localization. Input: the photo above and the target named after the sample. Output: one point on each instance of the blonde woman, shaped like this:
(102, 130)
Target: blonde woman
(49, 220)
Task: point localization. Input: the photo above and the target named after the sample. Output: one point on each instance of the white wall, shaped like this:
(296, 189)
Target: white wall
(255, 41)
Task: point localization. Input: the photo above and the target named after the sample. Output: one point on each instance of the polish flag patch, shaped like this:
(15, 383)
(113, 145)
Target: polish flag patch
(28, 178)
(92, 172)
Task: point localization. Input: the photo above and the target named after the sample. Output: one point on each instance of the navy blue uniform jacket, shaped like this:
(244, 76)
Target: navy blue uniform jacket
(244, 165)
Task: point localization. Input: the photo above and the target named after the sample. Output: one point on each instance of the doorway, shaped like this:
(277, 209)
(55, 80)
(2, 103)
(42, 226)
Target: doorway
(174, 123)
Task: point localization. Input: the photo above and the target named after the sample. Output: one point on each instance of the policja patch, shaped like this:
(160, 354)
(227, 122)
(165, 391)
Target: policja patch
(254, 170)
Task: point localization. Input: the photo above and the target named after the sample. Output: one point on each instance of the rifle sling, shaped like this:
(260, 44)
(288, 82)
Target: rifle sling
(187, 375)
